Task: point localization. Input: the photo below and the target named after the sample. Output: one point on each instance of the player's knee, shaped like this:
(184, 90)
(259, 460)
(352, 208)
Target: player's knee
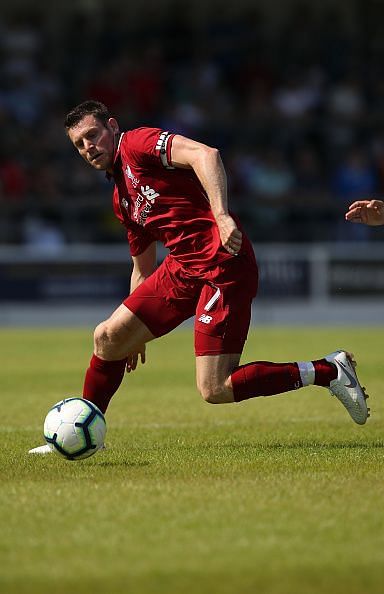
(105, 338)
(212, 393)
(101, 336)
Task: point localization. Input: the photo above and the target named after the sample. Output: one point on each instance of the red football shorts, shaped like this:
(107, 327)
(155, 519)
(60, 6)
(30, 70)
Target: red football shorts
(221, 302)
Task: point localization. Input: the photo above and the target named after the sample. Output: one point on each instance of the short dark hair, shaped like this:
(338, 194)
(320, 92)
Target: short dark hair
(90, 107)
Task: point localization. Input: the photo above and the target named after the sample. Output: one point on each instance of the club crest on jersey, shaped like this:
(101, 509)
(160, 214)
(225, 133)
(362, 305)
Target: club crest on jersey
(125, 203)
(133, 178)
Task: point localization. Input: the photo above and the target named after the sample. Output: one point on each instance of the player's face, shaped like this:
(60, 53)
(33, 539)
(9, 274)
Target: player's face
(95, 142)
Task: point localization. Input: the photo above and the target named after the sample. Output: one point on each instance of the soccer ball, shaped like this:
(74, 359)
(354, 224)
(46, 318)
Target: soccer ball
(75, 428)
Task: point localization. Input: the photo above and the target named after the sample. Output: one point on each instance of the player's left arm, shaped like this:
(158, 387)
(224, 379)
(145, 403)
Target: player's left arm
(208, 167)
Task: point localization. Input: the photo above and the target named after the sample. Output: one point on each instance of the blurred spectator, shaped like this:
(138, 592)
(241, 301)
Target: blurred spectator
(43, 234)
(268, 182)
(346, 99)
(300, 94)
(21, 43)
(309, 174)
(13, 179)
(283, 99)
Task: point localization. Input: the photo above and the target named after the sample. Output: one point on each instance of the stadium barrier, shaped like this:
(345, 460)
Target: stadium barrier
(314, 281)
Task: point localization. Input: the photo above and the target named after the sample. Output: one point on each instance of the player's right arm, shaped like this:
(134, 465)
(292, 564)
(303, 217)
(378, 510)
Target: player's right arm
(143, 265)
(209, 169)
(368, 212)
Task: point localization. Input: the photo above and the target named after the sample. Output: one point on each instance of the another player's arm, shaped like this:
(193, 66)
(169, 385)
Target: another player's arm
(143, 266)
(208, 166)
(368, 212)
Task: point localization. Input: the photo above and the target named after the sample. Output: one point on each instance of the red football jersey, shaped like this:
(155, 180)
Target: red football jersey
(157, 202)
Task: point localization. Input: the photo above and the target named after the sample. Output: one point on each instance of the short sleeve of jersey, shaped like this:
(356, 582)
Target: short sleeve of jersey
(148, 146)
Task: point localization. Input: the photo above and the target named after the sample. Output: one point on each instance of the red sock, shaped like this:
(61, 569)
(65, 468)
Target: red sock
(264, 379)
(325, 372)
(102, 379)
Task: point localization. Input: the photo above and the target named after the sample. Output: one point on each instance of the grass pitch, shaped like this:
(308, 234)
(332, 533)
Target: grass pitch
(278, 495)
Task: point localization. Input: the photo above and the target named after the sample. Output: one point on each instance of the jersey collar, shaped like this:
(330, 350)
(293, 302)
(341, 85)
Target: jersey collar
(116, 158)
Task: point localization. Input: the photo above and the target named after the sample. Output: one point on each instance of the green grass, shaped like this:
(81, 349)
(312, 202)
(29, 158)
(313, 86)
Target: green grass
(279, 495)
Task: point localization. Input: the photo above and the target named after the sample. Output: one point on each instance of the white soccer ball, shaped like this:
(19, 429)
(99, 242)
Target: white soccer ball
(75, 428)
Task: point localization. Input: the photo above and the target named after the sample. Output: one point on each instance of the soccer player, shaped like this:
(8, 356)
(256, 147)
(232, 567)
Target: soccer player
(369, 212)
(172, 189)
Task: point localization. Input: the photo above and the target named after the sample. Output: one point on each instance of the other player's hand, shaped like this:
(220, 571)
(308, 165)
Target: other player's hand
(368, 212)
(133, 359)
(231, 237)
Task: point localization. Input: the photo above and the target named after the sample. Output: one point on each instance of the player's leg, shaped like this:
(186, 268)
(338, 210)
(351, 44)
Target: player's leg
(114, 339)
(162, 302)
(120, 334)
(221, 327)
(220, 379)
(159, 304)
(213, 373)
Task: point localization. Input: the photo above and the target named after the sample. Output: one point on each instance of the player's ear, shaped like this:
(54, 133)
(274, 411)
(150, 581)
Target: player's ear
(113, 125)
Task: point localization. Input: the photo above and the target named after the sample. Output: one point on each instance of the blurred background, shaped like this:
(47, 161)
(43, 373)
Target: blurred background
(291, 93)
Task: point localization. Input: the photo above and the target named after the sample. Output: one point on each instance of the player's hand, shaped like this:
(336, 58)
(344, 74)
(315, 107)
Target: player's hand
(368, 212)
(133, 359)
(231, 237)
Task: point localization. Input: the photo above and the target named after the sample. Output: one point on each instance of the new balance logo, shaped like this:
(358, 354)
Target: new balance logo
(205, 319)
